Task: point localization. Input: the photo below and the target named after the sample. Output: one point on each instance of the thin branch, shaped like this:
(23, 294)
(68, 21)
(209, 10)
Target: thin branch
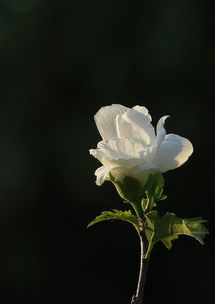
(138, 297)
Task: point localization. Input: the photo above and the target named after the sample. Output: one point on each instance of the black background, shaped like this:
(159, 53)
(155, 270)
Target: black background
(60, 61)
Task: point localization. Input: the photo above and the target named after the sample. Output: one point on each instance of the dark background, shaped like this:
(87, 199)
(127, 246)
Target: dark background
(60, 61)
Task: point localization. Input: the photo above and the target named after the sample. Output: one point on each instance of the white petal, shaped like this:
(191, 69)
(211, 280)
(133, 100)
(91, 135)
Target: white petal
(105, 120)
(173, 152)
(160, 130)
(144, 167)
(122, 152)
(136, 123)
(149, 154)
(161, 123)
(101, 174)
(97, 153)
(124, 148)
(119, 173)
(143, 175)
(143, 110)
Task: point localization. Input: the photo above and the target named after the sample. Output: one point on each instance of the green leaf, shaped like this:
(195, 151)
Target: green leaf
(117, 215)
(168, 228)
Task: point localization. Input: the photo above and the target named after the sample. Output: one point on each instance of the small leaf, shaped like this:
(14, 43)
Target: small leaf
(117, 215)
(163, 197)
(168, 228)
(153, 192)
(154, 186)
(148, 203)
(145, 204)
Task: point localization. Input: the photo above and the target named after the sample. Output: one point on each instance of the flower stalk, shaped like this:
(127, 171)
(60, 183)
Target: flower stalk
(144, 263)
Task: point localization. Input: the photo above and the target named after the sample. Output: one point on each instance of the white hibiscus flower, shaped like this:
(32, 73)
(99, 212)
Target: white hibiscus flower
(130, 146)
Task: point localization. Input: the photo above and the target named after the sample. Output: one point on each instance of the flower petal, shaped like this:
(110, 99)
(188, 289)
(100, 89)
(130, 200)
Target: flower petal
(173, 152)
(136, 123)
(160, 130)
(144, 167)
(121, 152)
(105, 120)
(142, 175)
(119, 173)
(124, 148)
(101, 174)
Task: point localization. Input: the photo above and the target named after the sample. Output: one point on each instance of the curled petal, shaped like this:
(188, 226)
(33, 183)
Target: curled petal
(105, 120)
(173, 152)
(101, 174)
(160, 130)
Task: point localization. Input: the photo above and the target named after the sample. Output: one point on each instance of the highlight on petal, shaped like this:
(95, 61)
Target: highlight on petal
(105, 120)
(136, 123)
(173, 152)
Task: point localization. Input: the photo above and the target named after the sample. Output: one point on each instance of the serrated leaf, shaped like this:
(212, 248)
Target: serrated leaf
(168, 228)
(116, 215)
(168, 240)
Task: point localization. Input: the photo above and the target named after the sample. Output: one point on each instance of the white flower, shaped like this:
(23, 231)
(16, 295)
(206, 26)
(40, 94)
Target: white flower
(130, 146)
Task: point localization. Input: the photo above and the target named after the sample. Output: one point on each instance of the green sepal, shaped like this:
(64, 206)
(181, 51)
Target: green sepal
(168, 228)
(117, 215)
(129, 189)
(142, 197)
